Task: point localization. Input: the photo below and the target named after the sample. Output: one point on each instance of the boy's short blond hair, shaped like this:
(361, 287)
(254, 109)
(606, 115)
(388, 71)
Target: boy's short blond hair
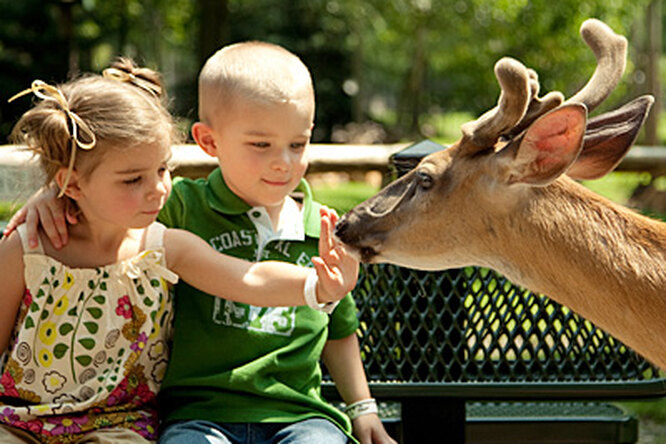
(256, 71)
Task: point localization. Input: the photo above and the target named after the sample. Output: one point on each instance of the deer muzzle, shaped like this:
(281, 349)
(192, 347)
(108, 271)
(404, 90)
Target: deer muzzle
(367, 226)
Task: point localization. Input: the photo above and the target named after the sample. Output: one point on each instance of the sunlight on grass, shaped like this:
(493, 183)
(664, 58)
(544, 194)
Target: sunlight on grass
(343, 197)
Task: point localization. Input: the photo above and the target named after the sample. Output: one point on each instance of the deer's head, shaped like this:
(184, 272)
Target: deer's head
(454, 201)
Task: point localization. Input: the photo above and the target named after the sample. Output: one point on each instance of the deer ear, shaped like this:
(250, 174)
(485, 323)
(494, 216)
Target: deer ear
(608, 138)
(549, 146)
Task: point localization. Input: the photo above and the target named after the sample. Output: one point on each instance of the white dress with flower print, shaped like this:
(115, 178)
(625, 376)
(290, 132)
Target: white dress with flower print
(89, 348)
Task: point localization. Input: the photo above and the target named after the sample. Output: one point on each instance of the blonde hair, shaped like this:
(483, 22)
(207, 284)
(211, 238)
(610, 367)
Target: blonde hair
(257, 71)
(121, 110)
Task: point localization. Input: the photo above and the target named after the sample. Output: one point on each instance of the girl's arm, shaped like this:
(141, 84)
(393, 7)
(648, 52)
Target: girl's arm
(343, 361)
(12, 288)
(268, 283)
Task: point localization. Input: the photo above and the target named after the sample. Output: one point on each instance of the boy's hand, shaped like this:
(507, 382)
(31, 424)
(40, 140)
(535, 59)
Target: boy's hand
(337, 270)
(368, 429)
(46, 209)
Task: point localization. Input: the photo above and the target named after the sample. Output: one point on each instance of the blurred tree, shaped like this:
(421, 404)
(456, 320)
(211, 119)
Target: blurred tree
(437, 55)
(654, 19)
(396, 61)
(30, 47)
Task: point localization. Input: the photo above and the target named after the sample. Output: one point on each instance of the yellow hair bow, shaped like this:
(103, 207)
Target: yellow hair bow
(124, 76)
(48, 92)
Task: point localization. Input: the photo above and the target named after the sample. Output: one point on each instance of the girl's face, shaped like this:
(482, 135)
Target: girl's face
(128, 188)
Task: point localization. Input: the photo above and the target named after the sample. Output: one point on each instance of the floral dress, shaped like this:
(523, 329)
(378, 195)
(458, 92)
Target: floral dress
(89, 348)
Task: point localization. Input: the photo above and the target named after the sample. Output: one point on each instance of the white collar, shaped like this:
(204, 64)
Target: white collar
(291, 223)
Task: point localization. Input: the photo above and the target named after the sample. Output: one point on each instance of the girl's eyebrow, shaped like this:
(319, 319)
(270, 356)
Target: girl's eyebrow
(131, 170)
(139, 169)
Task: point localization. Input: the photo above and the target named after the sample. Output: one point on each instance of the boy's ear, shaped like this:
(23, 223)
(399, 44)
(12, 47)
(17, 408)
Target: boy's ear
(72, 188)
(203, 135)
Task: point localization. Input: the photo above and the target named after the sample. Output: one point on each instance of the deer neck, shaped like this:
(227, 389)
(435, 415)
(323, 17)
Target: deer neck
(578, 242)
(588, 253)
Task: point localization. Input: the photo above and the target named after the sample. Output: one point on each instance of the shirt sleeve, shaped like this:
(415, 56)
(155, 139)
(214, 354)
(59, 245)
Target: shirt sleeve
(343, 321)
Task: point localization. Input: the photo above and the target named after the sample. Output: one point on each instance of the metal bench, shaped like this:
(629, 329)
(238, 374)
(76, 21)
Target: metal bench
(472, 358)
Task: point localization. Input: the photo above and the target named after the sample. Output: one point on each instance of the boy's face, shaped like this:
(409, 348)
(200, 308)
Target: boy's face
(262, 149)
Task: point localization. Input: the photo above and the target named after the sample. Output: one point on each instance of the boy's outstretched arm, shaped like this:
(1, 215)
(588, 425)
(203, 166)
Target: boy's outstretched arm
(267, 283)
(45, 209)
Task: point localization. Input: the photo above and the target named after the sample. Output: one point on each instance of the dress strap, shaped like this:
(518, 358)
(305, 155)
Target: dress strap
(154, 236)
(23, 234)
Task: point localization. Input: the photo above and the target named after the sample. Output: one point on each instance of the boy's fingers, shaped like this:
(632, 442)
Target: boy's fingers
(58, 214)
(333, 216)
(48, 225)
(31, 222)
(17, 219)
(61, 228)
(325, 241)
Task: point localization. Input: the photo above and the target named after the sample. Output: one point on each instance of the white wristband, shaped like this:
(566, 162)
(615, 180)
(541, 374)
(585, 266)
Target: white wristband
(310, 294)
(360, 408)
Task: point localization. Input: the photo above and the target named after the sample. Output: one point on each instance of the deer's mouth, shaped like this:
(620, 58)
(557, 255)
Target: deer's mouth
(349, 234)
(367, 254)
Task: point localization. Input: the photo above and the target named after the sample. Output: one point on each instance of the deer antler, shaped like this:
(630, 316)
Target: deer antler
(537, 106)
(513, 78)
(519, 105)
(610, 49)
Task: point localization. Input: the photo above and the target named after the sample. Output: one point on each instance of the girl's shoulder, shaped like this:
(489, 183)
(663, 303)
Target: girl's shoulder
(11, 252)
(150, 243)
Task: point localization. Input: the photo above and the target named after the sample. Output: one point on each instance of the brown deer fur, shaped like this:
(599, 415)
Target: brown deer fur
(501, 198)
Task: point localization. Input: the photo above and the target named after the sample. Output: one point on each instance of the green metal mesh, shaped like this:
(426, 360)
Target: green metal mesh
(473, 325)
(469, 326)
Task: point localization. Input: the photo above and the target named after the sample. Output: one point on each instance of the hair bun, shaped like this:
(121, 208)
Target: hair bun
(125, 70)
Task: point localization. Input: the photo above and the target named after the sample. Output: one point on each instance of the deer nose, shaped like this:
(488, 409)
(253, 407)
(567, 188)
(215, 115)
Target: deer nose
(341, 227)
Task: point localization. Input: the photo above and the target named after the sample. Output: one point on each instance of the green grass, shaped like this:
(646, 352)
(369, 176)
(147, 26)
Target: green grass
(345, 196)
(7, 209)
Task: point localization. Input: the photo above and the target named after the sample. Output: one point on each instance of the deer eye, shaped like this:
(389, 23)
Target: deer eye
(425, 180)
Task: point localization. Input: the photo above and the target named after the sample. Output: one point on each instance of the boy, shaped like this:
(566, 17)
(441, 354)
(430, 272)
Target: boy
(239, 372)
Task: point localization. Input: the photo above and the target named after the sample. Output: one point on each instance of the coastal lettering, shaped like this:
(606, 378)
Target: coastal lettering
(231, 239)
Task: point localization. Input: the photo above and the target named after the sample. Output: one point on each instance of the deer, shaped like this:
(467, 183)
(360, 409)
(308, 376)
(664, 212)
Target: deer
(506, 196)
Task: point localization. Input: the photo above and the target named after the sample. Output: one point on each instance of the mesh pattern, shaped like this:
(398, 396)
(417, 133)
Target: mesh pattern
(472, 325)
(539, 410)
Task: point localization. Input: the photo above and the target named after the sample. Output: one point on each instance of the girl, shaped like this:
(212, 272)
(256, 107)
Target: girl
(85, 328)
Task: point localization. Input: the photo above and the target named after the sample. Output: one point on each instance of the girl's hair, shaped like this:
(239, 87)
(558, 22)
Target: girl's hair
(124, 107)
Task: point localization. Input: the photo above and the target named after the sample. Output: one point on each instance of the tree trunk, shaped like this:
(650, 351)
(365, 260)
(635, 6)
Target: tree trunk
(358, 99)
(410, 103)
(652, 74)
(214, 28)
(69, 37)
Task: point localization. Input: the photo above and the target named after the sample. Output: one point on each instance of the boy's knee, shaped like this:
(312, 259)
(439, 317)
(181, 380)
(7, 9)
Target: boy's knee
(193, 432)
(316, 430)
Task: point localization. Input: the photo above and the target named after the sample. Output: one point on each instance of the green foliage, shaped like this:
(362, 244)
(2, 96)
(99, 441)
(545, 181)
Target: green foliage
(404, 59)
(444, 128)
(464, 39)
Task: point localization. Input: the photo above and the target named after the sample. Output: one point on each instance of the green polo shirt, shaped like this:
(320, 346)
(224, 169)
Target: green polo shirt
(232, 362)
